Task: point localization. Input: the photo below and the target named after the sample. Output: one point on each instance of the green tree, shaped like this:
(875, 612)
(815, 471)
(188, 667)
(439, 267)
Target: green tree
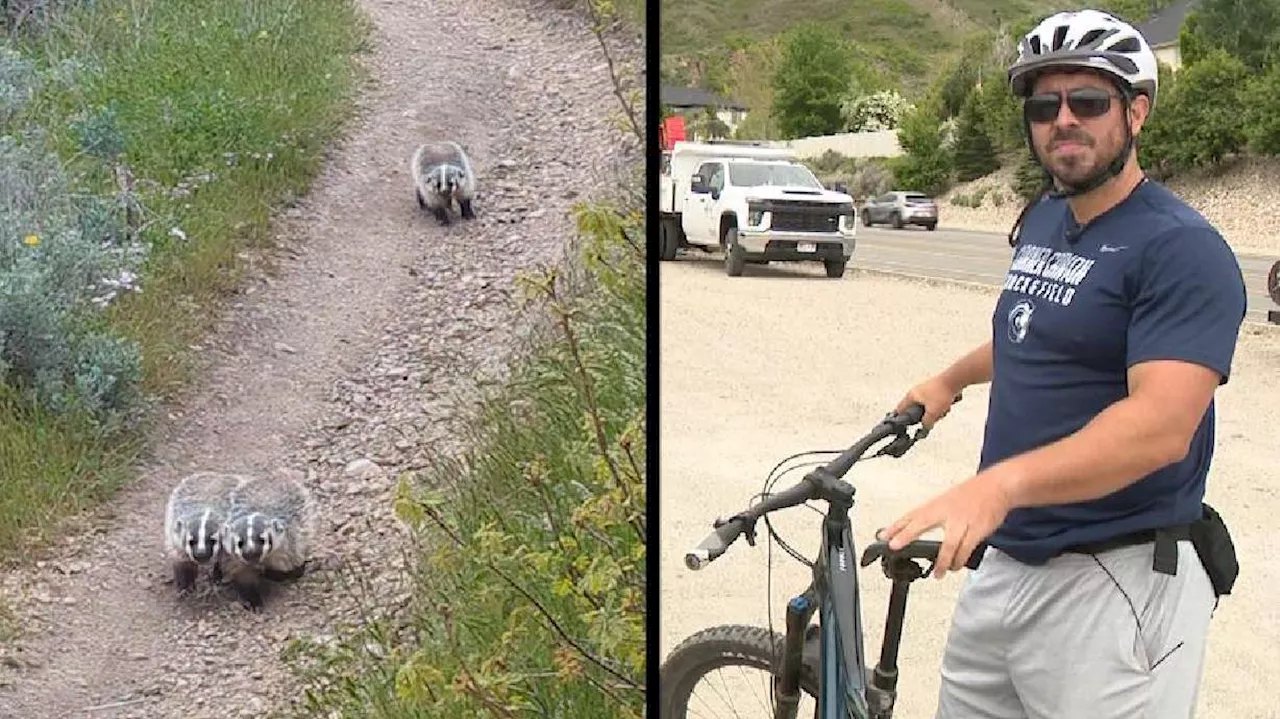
(1248, 30)
(975, 156)
(1203, 123)
(925, 164)
(1262, 114)
(811, 81)
(1001, 114)
(957, 84)
(1031, 179)
(754, 60)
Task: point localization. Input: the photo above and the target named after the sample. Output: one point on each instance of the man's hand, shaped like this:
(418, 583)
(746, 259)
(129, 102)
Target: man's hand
(968, 513)
(936, 396)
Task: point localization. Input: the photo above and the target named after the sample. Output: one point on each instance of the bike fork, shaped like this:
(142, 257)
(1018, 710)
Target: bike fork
(787, 682)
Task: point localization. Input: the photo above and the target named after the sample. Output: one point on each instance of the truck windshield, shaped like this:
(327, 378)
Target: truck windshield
(752, 175)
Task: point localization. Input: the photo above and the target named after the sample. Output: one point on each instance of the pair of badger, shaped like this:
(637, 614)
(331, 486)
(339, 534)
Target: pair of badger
(442, 176)
(244, 528)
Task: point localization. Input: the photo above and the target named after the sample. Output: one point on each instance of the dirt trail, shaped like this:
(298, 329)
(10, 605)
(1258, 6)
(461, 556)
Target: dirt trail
(346, 356)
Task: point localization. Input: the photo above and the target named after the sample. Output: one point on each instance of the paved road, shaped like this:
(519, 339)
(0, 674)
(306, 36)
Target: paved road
(983, 257)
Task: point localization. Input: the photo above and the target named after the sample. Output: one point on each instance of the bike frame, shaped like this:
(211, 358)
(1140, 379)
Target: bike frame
(845, 689)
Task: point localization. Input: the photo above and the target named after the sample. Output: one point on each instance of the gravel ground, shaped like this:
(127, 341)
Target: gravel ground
(803, 363)
(340, 369)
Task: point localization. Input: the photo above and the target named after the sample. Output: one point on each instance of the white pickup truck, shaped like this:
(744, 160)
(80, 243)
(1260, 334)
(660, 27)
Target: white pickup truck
(756, 204)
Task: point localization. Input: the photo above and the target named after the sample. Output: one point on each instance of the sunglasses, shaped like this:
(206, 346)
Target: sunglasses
(1085, 103)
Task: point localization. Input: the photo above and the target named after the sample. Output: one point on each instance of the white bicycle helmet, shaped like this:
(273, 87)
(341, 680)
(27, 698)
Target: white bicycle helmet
(1086, 39)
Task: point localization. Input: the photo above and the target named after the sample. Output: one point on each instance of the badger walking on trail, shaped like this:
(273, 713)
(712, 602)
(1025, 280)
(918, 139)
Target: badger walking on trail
(442, 175)
(268, 536)
(198, 507)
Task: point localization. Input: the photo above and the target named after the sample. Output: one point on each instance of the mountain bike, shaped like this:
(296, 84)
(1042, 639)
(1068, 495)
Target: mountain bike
(825, 660)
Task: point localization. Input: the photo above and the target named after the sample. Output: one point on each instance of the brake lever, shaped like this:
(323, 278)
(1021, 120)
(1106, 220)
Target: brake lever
(748, 532)
(904, 441)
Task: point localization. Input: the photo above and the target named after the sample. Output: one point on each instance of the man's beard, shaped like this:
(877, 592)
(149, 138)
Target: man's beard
(1074, 168)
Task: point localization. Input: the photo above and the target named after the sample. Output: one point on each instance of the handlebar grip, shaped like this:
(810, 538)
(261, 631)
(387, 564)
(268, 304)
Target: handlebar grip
(913, 414)
(710, 549)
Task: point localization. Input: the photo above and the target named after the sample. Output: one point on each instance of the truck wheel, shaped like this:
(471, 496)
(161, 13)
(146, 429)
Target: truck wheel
(931, 226)
(735, 258)
(866, 219)
(897, 221)
(668, 240)
(835, 268)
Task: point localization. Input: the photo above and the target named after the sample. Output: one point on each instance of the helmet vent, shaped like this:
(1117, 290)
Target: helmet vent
(1091, 37)
(1129, 44)
(1058, 36)
(1035, 45)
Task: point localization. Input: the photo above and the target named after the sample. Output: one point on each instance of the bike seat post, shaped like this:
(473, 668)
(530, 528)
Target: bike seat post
(903, 572)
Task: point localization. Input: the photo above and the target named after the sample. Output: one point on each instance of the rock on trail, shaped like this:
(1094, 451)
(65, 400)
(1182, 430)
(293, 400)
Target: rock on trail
(341, 369)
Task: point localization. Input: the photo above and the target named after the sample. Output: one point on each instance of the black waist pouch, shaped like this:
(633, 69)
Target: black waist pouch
(1217, 552)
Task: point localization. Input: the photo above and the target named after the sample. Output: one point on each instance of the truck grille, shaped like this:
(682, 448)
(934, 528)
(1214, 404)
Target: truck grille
(823, 220)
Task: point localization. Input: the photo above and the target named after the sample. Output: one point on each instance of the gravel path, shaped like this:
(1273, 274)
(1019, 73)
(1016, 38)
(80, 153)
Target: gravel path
(805, 363)
(340, 367)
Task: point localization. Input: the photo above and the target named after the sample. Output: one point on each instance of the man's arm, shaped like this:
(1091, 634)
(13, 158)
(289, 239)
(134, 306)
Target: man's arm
(1182, 337)
(973, 368)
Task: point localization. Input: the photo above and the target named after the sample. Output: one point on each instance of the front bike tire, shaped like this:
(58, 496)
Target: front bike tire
(730, 645)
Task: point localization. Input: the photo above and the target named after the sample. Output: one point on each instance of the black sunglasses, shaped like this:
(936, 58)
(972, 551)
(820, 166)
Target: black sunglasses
(1085, 103)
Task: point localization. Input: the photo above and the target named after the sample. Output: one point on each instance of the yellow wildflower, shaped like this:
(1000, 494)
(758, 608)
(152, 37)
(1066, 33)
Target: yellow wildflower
(31, 240)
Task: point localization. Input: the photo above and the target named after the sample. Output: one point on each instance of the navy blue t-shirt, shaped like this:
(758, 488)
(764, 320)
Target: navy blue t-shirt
(1149, 279)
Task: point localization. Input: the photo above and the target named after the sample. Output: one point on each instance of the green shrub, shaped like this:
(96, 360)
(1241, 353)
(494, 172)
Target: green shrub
(872, 178)
(62, 258)
(529, 590)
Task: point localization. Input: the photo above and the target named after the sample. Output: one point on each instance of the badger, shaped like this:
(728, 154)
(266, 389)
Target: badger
(198, 507)
(442, 175)
(267, 535)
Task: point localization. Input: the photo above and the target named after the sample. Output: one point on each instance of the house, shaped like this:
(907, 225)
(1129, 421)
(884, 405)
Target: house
(1161, 31)
(692, 101)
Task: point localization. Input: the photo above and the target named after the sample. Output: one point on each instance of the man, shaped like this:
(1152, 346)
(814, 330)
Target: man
(1117, 322)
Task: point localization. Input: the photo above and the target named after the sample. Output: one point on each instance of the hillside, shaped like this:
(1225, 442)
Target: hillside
(1226, 195)
(728, 45)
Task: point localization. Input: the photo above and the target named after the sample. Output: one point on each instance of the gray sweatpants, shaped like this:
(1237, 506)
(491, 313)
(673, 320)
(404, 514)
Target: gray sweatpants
(1081, 637)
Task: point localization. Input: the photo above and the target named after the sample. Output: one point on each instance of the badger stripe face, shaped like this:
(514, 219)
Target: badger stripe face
(446, 179)
(252, 537)
(200, 538)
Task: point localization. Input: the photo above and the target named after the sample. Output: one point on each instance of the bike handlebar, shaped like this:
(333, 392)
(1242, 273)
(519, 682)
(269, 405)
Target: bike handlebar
(825, 482)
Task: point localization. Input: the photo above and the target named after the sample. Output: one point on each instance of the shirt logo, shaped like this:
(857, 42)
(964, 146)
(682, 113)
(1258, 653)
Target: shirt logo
(1020, 320)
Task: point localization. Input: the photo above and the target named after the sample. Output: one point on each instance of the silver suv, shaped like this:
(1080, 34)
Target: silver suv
(900, 208)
